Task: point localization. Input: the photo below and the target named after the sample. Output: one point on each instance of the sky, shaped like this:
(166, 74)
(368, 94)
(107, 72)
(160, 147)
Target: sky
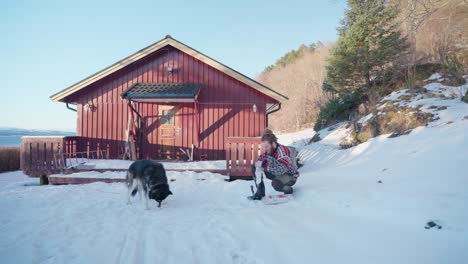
(47, 46)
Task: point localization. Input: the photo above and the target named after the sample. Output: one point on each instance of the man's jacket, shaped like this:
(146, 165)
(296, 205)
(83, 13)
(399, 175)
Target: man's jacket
(281, 161)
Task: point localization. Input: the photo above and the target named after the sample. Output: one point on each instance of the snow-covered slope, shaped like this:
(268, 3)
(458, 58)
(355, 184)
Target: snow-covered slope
(366, 204)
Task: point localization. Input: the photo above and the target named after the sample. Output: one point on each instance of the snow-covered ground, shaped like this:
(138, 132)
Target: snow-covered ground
(366, 204)
(124, 164)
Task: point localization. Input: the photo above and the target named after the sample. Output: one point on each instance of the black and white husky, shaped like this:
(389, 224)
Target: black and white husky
(148, 177)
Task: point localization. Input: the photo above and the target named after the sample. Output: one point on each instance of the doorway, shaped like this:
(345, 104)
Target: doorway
(169, 132)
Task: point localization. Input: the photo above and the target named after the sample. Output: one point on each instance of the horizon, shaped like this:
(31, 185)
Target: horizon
(52, 45)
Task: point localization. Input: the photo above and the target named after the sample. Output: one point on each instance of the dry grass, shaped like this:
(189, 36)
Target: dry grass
(394, 119)
(9, 159)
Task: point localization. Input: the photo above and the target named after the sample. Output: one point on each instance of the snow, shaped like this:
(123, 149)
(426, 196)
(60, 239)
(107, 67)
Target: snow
(340, 212)
(434, 77)
(124, 164)
(92, 174)
(365, 118)
(297, 139)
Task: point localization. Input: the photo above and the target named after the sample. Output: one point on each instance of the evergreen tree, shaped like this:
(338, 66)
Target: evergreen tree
(293, 55)
(369, 44)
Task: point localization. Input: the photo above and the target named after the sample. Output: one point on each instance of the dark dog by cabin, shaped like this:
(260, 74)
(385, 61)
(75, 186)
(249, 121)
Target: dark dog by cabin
(149, 178)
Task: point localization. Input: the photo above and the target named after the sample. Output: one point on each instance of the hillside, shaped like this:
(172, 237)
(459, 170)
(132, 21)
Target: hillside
(439, 27)
(366, 204)
(301, 80)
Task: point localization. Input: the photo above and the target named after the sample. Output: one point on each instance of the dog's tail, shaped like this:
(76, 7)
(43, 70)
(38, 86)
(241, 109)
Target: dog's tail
(136, 186)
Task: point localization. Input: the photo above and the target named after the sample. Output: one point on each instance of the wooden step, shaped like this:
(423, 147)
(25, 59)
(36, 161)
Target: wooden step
(70, 179)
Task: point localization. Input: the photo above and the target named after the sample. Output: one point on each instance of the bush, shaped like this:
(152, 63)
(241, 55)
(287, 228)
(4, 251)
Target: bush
(370, 130)
(9, 159)
(336, 110)
(453, 65)
(424, 71)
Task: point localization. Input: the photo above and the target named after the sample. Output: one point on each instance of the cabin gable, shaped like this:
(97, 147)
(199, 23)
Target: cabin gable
(225, 107)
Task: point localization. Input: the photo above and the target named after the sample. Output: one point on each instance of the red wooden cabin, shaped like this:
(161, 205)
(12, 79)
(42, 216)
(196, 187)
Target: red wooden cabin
(172, 96)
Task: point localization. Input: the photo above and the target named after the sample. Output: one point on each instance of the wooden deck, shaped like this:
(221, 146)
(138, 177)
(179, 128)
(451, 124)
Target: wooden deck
(80, 180)
(43, 156)
(60, 180)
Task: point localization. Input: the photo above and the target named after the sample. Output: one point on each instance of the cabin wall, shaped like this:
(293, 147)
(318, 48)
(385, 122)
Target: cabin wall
(225, 106)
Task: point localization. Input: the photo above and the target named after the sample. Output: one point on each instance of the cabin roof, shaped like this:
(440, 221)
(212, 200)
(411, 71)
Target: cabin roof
(162, 90)
(168, 40)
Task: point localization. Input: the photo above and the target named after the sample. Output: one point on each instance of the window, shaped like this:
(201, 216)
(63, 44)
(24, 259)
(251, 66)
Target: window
(168, 117)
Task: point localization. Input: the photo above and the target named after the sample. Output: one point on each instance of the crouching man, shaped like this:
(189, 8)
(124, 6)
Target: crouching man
(278, 163)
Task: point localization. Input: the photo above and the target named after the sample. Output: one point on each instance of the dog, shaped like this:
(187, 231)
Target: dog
(148, 177)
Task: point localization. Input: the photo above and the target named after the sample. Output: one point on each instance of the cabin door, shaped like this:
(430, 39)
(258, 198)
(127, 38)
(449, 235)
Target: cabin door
(168, 132)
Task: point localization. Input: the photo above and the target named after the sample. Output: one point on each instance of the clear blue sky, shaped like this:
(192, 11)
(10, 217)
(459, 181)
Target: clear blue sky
(48, 45)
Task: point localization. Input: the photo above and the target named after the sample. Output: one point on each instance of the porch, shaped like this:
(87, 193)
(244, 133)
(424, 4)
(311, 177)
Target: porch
(58, 158)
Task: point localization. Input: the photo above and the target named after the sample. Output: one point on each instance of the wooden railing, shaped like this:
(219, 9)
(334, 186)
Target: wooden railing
(241, 153)
(38, 155)
(49, 155)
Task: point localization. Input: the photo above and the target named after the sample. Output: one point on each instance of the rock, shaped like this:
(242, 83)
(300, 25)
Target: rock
(441, 108)
(465, 98)
(362, 109)
(315, 138)
(453, 81)
(405, 97)
(397, 134)
(420, 90)
(432, 224)
(379, 182)
(348, 143)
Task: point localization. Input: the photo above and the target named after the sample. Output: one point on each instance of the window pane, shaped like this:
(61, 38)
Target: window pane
(168, 117)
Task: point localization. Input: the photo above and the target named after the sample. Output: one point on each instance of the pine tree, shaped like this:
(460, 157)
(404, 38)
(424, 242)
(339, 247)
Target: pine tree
(369, 44)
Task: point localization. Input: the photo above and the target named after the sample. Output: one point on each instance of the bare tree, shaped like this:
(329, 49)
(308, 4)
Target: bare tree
(302, 82)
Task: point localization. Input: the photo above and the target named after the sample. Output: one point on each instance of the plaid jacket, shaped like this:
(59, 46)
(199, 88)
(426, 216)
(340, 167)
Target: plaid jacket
(281, 161)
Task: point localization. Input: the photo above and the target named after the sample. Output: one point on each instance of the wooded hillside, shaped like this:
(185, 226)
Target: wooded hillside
(368, 63)
(299, 75)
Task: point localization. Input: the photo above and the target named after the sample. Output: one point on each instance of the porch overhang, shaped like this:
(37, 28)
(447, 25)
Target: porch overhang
(162, 92)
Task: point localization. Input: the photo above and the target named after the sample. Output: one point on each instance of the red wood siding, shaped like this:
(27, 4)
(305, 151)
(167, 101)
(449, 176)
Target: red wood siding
(225, 107)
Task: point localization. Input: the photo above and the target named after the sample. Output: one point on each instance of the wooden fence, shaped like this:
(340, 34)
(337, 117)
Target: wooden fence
(48, 155)
(241, 153)
(38, 155)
